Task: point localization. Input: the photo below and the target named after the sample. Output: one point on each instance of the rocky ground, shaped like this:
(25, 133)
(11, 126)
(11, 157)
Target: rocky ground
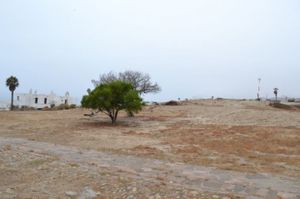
(199, 149)
(41, 170)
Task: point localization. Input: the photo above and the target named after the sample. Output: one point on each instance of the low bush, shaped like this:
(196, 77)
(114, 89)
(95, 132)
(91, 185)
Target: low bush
(61, 107)
(72, 106)
(281, 106)
(25, 108)
(46, 108)
(172, 103)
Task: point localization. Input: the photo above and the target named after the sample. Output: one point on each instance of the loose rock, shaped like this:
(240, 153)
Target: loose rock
(88, 193)
(71, 193)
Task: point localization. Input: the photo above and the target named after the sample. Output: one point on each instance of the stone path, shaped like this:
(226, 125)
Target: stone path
(260, 185)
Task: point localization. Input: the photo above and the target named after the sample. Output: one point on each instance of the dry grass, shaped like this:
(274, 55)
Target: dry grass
(235, 135)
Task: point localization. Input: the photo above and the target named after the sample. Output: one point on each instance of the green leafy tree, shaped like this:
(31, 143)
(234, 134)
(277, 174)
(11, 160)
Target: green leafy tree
(112, 97)
(12, 83)
(141, 82)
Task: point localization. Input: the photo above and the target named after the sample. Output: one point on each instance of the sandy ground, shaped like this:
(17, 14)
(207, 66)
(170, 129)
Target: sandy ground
(242, 136)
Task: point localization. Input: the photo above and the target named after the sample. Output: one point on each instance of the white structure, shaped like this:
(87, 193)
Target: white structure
(35, 100)
(4, 106)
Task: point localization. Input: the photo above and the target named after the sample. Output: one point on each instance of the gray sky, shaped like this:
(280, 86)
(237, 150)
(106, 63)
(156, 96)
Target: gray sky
(192, 48)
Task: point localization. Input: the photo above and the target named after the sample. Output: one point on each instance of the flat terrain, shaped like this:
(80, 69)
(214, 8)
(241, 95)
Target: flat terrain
(247, 140)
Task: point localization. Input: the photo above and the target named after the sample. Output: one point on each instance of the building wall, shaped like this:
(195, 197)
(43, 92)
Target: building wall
(41, 100)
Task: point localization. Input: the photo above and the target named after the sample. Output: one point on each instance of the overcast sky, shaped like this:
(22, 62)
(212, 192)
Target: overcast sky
(191, 48)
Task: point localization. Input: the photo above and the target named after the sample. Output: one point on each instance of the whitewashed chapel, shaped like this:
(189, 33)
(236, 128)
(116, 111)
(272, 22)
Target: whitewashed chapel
(36, 100)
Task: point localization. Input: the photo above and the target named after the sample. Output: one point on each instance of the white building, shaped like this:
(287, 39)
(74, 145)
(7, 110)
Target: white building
(4, 106)
(35, 100)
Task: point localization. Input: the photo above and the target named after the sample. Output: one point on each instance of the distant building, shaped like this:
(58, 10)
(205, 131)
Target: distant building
(36, 100)
(4, 106)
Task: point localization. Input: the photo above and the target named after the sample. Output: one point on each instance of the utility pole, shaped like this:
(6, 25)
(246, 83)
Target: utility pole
(258, 89)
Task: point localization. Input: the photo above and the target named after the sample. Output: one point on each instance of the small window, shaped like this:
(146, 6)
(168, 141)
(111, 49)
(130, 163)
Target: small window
(36, 100)
(45, 101)
(66, 101)
(18, 98)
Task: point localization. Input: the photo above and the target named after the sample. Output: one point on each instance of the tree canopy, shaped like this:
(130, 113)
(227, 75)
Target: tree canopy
(12, 83)
(141, 82)
(112, 97)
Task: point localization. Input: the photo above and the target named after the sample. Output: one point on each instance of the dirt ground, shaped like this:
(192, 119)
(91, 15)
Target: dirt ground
(243, 136)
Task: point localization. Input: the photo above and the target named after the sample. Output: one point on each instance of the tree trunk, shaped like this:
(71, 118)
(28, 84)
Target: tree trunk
(12, 101)
(114, 117)
(130, 114)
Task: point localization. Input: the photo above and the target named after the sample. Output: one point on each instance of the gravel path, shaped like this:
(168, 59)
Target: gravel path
(260, 185)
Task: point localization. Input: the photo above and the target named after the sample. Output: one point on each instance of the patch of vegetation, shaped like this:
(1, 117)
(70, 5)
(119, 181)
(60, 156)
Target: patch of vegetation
(110, 98)
(74, 165)
(72, 106)
(281, 106)
(7, 147)
(172, 103)
(38, 162)
(61, 107)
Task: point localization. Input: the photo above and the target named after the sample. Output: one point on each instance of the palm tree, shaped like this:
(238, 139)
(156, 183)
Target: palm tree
(275, 93)
(12, 83)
